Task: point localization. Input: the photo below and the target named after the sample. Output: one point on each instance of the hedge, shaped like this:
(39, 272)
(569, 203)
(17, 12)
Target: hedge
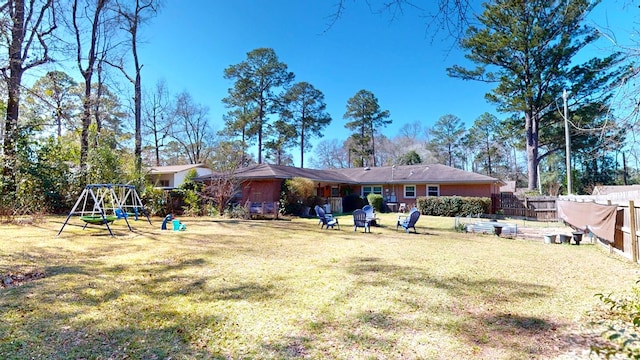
(453, 205)
(376, 200)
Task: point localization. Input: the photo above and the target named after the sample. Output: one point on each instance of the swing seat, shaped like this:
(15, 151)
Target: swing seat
(97, 219)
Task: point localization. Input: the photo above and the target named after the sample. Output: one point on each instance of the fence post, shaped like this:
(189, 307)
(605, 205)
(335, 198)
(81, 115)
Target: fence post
(634, 238)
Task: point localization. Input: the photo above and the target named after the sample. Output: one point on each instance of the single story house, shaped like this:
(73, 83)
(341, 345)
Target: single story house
(613, 189)
(169, 177)
(398, 184)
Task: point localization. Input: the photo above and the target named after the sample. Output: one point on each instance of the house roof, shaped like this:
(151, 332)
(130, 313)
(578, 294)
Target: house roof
(173, 169)
(508, 187)
(269, 171)
(611, 189)
(401, 174)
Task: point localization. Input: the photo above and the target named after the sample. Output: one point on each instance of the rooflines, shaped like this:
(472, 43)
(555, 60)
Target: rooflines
(172, 169)
(404, 174)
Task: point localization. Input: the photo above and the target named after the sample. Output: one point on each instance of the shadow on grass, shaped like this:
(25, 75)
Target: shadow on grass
(291, 347)
(509, 331)
(247, 291)
(150, 335)
(373, 271)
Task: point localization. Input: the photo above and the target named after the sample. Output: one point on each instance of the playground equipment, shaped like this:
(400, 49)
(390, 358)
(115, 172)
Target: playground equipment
(166, 220)
(130, 203)
(92, 207)
(177, 225)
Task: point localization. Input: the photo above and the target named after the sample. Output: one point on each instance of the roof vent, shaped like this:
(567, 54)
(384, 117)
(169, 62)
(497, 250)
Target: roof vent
(367, 168)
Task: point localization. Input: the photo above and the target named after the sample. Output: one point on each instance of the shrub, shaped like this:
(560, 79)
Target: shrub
(296, 193)
(301, 187)
(376, 200)
(621, 318)
(154, 201)
(192, 203)
(238, 212)
(211, 210)
(352, 202)
(453, 205)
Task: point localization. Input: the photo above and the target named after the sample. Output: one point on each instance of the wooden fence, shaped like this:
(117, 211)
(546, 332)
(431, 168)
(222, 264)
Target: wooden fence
(541, 208)
(625, 242)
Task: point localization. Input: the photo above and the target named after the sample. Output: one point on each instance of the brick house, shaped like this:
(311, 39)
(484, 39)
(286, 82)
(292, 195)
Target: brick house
(397, 184)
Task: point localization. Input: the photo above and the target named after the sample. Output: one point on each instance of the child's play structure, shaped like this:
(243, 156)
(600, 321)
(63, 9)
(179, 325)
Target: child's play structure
(102, 204)
(177, 225)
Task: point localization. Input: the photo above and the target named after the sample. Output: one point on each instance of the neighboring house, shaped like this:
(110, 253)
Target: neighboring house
(612, 189)
(169, 177)
(509, 187)
(397, 184)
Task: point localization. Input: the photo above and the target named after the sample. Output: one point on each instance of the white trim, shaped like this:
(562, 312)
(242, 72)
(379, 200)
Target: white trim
(415, 191)
(372, 189)
(427, 186)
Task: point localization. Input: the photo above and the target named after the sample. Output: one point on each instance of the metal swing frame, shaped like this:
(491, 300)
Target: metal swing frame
(97, 192)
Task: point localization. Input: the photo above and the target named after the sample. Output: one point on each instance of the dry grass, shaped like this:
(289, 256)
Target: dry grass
(285, 289)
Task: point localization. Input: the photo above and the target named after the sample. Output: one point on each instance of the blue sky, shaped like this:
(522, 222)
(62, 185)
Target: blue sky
(190, 43)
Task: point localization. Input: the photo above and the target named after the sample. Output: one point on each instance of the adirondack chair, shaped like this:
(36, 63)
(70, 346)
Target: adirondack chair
(360, 220)
(371, 215)
(326, 220)
(408, 222)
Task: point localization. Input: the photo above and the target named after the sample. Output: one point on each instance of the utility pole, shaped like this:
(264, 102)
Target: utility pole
(565, 96)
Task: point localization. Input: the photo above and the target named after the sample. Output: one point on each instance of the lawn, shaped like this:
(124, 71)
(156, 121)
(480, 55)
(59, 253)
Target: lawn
(284, 289)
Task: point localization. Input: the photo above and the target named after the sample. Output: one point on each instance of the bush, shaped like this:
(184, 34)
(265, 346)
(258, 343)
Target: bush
(453, 205)
(238, 212)
(619, 314)
(211, 210)
(192, 203)
(154, 201)
(376, 200)
(295, 194)
(352, 202)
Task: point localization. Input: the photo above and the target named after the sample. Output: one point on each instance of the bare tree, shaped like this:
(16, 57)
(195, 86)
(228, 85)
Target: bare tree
(441, 16)
(191, 128)
(331, 154)
(91, 14)
(30, 27)
(157, 116)
(132, 15)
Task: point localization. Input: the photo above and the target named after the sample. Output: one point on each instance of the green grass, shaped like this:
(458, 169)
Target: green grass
(285, 289)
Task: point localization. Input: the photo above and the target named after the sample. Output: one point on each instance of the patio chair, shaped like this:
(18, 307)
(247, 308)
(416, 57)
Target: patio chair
(319, 208)
(409, 221)
(326, 219)
(360, 220)
(371, 215)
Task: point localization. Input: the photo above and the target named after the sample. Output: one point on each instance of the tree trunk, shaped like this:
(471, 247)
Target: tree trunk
(531, 129)
(302, 139)
(86, 122)
(87, 74)
(137, 105)
(157, 143)
(373, 145)
(13, 100)
(261, 120)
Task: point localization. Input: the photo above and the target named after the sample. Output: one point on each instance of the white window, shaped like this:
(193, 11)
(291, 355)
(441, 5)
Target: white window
(433, 190)
(375, 189)
(164, 183)
(409, 191)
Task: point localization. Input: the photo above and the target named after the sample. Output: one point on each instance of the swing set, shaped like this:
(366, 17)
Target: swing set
(99, 204)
